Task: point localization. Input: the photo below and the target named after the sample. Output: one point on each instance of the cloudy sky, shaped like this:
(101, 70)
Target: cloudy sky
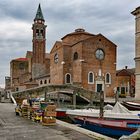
(111, 18)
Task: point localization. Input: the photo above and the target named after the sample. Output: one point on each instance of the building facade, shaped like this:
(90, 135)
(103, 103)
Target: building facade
(85, 60)
(136, 13)
(80, 58)
(24, 72)
(18, 68)
(126, 82)
(7, 86)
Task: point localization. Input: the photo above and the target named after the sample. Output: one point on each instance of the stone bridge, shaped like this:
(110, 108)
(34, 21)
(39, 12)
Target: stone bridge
(69, 90)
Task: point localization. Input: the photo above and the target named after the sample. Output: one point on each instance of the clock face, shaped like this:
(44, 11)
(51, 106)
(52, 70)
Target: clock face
(99, 54)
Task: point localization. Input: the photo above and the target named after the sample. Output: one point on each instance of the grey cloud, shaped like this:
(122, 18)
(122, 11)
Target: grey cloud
(111, 18)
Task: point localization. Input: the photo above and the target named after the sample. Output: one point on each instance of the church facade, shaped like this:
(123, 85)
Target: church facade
(85, 60)
(80, 58)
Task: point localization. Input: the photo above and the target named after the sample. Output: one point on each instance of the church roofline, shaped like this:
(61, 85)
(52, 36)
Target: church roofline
(94, 37)
(136, 11)
(78, 31)
(20, 59)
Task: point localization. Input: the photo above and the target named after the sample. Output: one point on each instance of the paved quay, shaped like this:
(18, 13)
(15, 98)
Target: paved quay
(13, 127)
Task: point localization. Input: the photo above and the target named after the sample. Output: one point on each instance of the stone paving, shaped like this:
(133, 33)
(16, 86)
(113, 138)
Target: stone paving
(13, 127)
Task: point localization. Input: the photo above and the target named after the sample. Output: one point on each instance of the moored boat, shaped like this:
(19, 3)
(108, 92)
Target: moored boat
(132, 105)
(61, 113)
(118, 112)
(115, 122)
(108, 127)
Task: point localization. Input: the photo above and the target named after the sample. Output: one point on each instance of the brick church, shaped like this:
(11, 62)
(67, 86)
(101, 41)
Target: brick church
(80, 58)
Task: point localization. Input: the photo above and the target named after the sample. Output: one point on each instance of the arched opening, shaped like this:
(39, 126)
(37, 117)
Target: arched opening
(75, 57)
(68, 78)
(90, 78)
(45, 81)
(108, 78)
(41, 82)
(56, 58)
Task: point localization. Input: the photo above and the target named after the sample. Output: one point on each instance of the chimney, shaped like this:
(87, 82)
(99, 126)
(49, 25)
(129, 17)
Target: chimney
(126, 67)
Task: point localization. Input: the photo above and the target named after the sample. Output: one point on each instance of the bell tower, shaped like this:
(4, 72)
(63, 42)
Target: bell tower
(39, 44)
(136, 13)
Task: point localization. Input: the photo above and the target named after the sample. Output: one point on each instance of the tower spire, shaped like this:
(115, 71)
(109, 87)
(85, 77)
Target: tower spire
(39, 14)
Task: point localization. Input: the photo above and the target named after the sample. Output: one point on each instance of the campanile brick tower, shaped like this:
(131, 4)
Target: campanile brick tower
(136, 13)
(39, 44)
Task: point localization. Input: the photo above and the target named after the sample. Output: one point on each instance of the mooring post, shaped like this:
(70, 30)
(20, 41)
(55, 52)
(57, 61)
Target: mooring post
(74, 99)
(45, 90)
(58, 99)
(101, 104)
(116, 96)
(91, 98)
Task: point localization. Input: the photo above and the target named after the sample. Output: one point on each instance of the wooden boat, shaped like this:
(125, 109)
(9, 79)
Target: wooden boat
(113, 128)
(118, 111)
(132, 105)
(115, 122)
(61, 113)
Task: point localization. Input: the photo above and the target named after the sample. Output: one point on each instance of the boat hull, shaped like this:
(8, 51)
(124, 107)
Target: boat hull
(61, 113)
(100, 127)
(132, 105)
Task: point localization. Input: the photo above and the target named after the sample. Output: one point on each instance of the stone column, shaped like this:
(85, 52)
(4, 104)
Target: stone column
(0, 96)
(136, 13)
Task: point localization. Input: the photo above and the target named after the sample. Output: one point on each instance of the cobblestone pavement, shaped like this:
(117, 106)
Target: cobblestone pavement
(13, 127)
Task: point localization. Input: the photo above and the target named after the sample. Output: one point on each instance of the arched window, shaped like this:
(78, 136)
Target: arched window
(41, 82)
(90, 78)
(75, 56)
(56, 58)
(108, 78)
(45, 81)
(37, 32)
(21, 66)
(68, 78)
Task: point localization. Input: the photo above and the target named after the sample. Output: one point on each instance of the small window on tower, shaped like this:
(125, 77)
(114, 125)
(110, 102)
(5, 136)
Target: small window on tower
(41, 32)
(37, 32)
